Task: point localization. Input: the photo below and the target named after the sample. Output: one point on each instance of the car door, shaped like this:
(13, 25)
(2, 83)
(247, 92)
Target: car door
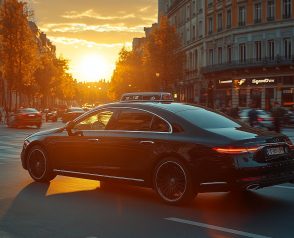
(128, 146)
(79, 150)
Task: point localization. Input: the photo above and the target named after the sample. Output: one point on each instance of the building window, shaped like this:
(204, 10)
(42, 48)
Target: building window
(258, 50)
(229, 54)
(229, 18)
(210, 57)
(210, 25)
(287, 48)
(271, 50)
(220, 55)
(257, 12)
(242, 16)
(271, 10)
(188, 13)
(242, 53)
(219, 22)
(286, 9)
(196, 59)
(193, 33)
(200, 31)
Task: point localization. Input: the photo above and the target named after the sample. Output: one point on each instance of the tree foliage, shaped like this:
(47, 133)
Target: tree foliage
(157, 67)
(18, 50)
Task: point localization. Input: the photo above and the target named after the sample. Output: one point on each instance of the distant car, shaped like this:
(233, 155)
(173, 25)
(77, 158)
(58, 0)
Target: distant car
(25, 117)
(51, 116)
(264, 119)
(176, 149)
(72, 113)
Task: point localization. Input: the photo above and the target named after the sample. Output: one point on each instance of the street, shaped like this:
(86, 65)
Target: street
(69, 207)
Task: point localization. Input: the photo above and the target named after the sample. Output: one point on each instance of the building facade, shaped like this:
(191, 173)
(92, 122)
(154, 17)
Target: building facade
(238, 52)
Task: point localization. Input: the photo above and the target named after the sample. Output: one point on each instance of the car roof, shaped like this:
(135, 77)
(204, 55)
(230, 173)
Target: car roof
(173, 107)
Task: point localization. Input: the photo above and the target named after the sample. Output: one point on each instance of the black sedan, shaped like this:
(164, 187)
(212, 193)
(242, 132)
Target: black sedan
(25, 117)
(176, 149)
(72, 113)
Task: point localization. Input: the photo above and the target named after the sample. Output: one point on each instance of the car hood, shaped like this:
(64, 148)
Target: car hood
(46, 132)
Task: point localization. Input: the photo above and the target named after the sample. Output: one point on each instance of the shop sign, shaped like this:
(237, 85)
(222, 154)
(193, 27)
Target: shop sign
(225, 81)
(262, 81)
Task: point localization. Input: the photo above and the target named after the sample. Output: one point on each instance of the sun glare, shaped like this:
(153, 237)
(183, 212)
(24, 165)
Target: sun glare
(91, 68)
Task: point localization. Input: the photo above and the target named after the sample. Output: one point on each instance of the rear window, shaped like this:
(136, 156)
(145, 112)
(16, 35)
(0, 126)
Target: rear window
(207, 119)
(27, 110)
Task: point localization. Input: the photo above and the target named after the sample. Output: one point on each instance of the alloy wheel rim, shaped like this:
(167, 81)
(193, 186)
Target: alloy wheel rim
(171, 181)
(37, 164)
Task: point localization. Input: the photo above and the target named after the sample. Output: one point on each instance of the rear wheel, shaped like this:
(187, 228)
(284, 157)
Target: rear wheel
(173, 182)
(38, 165)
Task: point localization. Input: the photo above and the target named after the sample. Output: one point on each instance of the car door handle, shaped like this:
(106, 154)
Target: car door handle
(145, 142)
(94, 140)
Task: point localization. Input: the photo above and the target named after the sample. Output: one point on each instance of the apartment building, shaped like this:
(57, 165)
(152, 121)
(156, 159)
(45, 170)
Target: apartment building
(237, 52)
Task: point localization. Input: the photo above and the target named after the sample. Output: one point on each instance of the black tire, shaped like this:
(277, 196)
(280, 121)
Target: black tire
(38, 165)
(173, 182)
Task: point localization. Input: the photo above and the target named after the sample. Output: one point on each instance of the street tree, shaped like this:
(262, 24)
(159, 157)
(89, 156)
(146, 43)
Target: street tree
(19, 52)
(128, 74)
(164, 62)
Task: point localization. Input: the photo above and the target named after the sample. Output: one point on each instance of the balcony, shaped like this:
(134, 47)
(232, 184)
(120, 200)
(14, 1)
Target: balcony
(191, 74)
(286, 16)
(249, 63)
(257, 20)
(270, 18)
(242, 23)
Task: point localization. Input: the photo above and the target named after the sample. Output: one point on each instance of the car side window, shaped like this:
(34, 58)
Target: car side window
(132, 120)
(96, 121)
(159, 125)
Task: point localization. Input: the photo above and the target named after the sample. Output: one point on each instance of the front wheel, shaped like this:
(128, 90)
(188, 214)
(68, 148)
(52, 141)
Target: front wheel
(173, 182)
(38, 165)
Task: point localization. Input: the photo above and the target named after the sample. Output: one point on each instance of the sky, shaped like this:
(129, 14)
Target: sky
(90, 33)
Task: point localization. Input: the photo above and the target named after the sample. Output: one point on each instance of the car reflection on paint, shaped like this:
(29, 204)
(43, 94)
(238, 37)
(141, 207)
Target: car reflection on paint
(178, 150)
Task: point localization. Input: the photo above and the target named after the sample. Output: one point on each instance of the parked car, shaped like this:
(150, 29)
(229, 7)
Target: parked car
(72, 113)
(25, 117)
(178, 150)
(264, 119)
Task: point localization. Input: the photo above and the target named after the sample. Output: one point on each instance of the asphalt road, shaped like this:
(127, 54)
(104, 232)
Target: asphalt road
(69, 207)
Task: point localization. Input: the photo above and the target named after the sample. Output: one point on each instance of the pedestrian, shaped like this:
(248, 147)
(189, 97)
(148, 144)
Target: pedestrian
(253, 117)
(277, 113)
(235, 113)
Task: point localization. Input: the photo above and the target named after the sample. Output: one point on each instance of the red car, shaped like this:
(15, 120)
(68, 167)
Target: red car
(25, 117)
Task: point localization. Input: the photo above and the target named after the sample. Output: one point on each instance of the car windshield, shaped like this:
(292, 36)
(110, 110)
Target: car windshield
(207, 119)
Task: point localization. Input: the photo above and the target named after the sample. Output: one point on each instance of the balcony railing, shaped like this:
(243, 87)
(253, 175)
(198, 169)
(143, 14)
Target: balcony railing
(264, 62)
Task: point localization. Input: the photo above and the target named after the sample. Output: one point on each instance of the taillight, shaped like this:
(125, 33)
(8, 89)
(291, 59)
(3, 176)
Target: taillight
(260, 119)
(39, 114)
(235, 150)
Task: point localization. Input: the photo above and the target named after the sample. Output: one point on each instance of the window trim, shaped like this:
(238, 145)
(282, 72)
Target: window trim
(127, 131)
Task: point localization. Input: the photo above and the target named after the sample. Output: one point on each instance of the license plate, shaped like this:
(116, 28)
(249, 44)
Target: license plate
(31, 115)
(275, 150)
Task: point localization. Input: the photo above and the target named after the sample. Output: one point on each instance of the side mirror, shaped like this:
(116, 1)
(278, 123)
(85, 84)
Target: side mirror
(69, 126)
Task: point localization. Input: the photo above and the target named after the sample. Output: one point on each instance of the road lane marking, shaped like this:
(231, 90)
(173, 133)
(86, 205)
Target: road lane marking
(286, 187)
(217, 228)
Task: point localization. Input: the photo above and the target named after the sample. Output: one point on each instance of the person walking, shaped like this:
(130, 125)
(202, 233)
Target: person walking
(277, 113)
(253, 117)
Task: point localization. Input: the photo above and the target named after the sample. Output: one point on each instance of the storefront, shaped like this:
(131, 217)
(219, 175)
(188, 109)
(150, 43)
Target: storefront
(260, 92)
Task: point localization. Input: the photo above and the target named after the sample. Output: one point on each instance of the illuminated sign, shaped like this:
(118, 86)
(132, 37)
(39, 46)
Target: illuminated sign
(225, 81)
(262, 81)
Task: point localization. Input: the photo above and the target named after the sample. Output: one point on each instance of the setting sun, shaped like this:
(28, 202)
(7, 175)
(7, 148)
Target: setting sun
(90, 68)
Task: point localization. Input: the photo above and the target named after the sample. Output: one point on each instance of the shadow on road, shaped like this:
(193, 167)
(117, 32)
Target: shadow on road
(111, 209)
